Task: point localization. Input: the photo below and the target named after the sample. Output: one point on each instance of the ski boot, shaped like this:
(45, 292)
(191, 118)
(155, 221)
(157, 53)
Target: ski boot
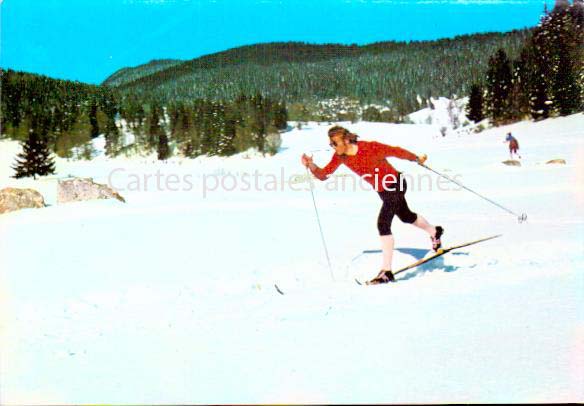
(382, 277)
(436, 242)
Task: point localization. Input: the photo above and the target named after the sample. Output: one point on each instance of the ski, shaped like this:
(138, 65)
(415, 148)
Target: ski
(278, 289)
(437, 254)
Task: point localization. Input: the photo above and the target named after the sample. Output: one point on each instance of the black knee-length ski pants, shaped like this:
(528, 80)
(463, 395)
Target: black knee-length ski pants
(394, 204)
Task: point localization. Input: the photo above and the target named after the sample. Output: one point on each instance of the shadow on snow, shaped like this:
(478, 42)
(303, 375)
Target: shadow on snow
(430, 266)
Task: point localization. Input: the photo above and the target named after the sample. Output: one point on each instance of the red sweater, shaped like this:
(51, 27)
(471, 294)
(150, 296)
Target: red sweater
(369, 163)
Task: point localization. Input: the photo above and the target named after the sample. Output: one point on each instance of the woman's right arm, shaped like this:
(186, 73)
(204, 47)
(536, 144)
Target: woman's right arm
(321, 173)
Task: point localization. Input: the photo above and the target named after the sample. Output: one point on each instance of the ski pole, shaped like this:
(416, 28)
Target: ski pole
(521, 218)
(320, 227)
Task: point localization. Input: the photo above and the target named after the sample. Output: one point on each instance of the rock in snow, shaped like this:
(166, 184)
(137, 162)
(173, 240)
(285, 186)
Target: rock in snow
(12, 199)
(78, 189)
(512, 162)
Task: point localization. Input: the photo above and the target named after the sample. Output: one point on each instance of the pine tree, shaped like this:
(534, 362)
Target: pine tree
(281, 116)
(565, 87)
(474, 109)
(93, 119)
(205, 128)
(157, 138)
(154, 128)
(110, 109)
(187, 136)
(173, 110)
(498, 87)
(112, 144)
(35, 159)
(163, 148)
(577, 13)
(11, 98)
(566, 50)
(226, 140)
(258, 122)
(556, 62)
(222, 139)
(522, 85)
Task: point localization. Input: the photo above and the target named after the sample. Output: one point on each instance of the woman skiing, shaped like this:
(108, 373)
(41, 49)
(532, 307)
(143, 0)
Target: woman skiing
(513, 145)
(368, 160)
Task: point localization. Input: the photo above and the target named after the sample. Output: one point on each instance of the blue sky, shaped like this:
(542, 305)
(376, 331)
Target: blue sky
(87, 40)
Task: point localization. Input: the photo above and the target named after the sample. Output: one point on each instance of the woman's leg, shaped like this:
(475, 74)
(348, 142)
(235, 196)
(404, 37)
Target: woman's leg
(384, 227)
(423, 224)
(387, 243)
(407, 216)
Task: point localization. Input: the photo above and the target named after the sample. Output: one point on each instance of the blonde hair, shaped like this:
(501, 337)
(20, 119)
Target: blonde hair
(346, 134)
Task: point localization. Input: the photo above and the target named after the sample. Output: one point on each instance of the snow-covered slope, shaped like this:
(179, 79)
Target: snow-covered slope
(170, 297)
(442, 113)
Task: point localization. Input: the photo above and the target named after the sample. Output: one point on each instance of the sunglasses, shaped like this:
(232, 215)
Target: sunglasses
(333, 144)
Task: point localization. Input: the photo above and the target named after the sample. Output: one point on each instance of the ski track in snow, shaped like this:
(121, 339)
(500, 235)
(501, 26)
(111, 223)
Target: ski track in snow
(170, 297)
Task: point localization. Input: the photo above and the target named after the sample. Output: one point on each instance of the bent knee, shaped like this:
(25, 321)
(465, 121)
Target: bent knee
(408, 218)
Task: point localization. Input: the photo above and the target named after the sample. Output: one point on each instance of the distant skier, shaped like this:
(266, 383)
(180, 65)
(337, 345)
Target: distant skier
(368, 160)
(513, 145)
